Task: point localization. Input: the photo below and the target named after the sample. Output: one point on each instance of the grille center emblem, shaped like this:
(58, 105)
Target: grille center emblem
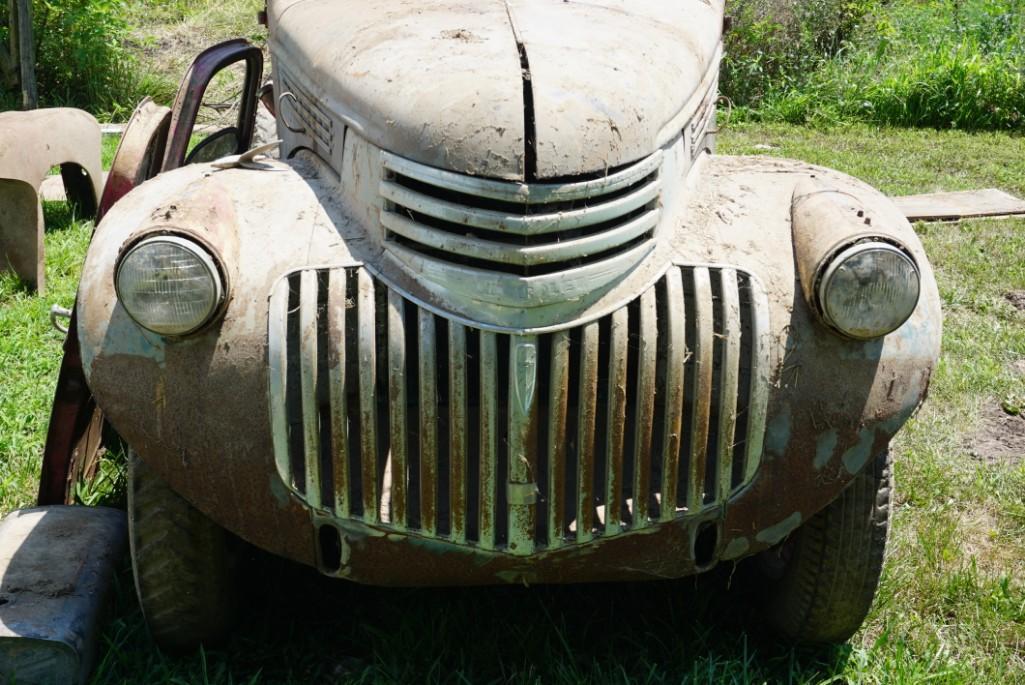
(525, 373)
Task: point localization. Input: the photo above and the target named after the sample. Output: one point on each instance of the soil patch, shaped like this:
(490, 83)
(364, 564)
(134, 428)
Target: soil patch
(1017, 299)
(1000, 438)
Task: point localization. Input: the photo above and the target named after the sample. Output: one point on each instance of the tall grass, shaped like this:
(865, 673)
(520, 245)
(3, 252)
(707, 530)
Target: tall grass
(943, 64)
(776, 44)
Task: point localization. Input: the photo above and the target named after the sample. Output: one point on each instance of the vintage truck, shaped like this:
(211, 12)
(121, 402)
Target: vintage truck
(496, 314)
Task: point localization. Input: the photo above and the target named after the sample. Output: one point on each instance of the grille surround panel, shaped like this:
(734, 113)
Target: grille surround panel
(518, 228)
(387, 413)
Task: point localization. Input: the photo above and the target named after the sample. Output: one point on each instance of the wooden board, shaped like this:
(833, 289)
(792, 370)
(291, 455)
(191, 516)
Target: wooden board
(969, 204)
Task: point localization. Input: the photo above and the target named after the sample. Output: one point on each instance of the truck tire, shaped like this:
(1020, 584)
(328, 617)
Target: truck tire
(183, 564)
(823, 578)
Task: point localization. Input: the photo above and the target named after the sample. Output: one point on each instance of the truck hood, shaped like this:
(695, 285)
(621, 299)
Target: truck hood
(512, 89)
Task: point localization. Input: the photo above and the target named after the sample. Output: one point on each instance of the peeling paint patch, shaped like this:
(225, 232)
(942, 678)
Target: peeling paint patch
(736, 548)
(777, 436)
(824, 447)
(773, 535)
(125, 337)
(856, 457)
(278, 490)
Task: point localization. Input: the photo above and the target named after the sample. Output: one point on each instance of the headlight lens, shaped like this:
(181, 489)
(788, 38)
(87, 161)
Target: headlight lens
(169, 285)
(868, 290)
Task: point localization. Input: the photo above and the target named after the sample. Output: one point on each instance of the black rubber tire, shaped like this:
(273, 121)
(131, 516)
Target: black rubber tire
(823, 578)
(184, 564)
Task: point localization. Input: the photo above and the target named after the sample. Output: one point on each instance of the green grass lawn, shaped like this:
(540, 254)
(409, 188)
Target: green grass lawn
(951, 608)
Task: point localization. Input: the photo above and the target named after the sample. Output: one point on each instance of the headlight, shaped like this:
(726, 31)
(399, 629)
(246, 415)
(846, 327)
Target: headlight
(868, 290)
(169, 285)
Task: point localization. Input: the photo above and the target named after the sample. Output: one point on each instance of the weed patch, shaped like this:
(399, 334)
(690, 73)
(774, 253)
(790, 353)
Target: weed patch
(940, 64)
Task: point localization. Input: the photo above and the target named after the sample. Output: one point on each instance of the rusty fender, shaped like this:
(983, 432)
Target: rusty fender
(196, 408)
(31, 143)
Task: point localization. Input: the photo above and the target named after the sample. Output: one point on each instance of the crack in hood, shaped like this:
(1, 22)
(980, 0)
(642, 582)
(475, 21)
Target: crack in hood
(612, 79)
(442, 82)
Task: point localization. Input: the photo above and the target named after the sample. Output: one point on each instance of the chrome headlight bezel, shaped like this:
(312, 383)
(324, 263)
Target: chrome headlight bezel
(203, 255)
(844, 256)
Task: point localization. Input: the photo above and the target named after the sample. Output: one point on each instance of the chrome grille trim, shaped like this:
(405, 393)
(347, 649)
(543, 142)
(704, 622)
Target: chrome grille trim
(501, 289)
(701, 388)
(367, 355)
(518, 228)
(308, 292)
(506, 222)
(397, 420)
(528, 255)
(517, 443)
(337, 359)
(522, 193)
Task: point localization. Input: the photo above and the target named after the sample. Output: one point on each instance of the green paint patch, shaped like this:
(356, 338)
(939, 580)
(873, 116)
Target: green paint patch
(736, 549)
(777, 433)
(824, 448)
(855, 458)
(776, 533)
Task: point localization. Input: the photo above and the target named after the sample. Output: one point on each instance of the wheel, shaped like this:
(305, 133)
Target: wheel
(183, 564)
(823, 578)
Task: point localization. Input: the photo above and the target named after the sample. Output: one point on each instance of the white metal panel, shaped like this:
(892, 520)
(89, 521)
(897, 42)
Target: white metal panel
(608, 78)
(438, 82)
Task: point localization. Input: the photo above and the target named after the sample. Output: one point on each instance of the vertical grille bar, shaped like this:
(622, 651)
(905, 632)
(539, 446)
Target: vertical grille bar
(676, 348)
(488, 435)
(702, 387)
(522, 492)
(616, 422)
(367, 394)
(585, 431)
(277, 353)
(645, 402)
(759, 379)
(336, 366)
(428, 424)
(329, 329)
(729, 381)
(308, 293)
(397, 406)
(457, 429)
(557, 403)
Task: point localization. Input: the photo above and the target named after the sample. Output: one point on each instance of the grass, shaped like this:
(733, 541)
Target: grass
(951, 608)
(166, 35)
(942, 64)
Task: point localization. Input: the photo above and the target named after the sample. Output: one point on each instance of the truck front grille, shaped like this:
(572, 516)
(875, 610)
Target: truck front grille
(517, 228)
(390, 414)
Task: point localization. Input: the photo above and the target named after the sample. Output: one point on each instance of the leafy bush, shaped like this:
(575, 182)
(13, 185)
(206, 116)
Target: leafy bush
(943, 64)
(778, 44)
(81, 58)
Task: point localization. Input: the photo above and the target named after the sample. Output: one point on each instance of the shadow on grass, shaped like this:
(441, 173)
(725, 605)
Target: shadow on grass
(299, 627)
